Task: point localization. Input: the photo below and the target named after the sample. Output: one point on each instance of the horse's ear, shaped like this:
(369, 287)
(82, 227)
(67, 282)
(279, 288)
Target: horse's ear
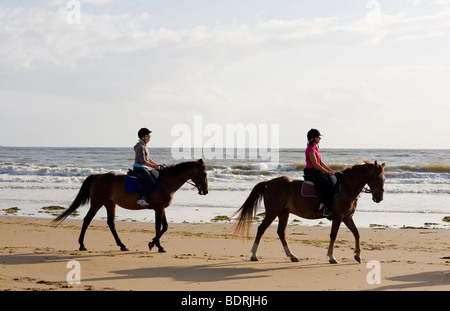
(383, 165)
(375, 163)
(200, 162)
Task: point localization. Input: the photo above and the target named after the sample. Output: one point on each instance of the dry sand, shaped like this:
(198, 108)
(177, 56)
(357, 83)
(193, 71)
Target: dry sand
(34, 256)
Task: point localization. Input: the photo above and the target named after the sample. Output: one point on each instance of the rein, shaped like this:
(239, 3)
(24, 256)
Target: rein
(366, 190)
(192, 184)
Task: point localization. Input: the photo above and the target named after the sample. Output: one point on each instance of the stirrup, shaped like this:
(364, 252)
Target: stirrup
(142, 202)
(325, 212)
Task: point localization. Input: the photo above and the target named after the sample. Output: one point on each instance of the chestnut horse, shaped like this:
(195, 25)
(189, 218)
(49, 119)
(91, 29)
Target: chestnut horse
(282, 196)
(108, 190)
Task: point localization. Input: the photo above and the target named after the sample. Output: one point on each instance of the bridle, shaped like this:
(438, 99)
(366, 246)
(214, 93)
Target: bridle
(195, 185)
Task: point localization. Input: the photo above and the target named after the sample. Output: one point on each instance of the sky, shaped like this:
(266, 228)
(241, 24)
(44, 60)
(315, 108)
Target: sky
(91, 73)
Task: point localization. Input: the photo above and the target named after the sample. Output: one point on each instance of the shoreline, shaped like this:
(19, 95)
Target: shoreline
(200, 215)
(203, 257)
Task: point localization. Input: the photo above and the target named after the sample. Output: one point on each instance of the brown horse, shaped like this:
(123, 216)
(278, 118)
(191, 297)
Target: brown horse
(108, 190)
(282, 196)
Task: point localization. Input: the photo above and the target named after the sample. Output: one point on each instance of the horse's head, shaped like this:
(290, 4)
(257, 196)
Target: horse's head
(200, 179)
(376, 182)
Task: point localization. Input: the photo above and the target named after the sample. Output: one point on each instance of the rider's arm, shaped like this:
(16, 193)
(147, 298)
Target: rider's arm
(317, 166)
(152, 163)
(329, 170)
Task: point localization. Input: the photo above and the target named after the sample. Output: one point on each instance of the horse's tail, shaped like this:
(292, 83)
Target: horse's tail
(82, 198)
(248, 210)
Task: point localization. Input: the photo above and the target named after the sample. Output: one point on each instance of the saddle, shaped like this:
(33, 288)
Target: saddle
(132, 182)
(309, 191)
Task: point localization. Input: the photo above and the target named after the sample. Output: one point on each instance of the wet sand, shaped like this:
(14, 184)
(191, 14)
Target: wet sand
(34, 255)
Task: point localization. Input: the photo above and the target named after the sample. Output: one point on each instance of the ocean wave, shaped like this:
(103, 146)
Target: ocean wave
(40, 187)
(277, 167)
(30, 179)
(399, 211)
(421, 168)
(241, 168)
(289, 167)
(418, 190)
(34, 170)
(252, 172)
(419, 179)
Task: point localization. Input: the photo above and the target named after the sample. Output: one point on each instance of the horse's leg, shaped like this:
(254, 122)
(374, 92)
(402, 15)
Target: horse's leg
(334, 230)
(111, 212)
(158, 219)
(348, 221)
(261, 229)
(282, 224)
(165, 226)
(87, 220)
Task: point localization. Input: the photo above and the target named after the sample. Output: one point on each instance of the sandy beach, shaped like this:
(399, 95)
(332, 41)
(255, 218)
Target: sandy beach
(35, 255)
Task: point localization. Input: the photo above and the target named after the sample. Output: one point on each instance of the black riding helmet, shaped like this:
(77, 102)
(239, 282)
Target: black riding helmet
(313, 133)
(142, 132)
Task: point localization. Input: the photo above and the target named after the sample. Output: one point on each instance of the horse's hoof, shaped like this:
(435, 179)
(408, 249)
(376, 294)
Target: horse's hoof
(294, 259)
(358, 258)
(333, 261)
(254, 258)
(82, 248)
(162, 250)
(124, 249)
(150, 245)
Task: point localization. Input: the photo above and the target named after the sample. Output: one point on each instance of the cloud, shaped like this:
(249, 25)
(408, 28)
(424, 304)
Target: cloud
(42, 35)
(320, 70)
(413, 70)
(64, 3)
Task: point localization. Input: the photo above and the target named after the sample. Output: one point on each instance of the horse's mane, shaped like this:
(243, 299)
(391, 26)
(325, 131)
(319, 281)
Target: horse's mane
(359, 167)
(180, 167)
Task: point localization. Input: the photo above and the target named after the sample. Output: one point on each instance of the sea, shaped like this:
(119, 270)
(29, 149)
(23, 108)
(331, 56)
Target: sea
(40, 182)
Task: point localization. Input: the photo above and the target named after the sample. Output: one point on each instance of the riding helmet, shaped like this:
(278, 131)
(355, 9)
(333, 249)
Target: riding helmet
(313, 133)
(143, 131)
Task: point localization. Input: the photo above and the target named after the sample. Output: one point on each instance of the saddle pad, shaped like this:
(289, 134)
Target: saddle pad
(309, 191)
(132, 185)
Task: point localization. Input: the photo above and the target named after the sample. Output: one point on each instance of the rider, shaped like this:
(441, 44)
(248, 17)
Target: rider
(142, 160)
(318, 172)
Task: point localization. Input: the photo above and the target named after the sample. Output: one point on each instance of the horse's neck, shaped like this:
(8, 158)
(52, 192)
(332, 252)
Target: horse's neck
(176, 180)
(357, 179)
